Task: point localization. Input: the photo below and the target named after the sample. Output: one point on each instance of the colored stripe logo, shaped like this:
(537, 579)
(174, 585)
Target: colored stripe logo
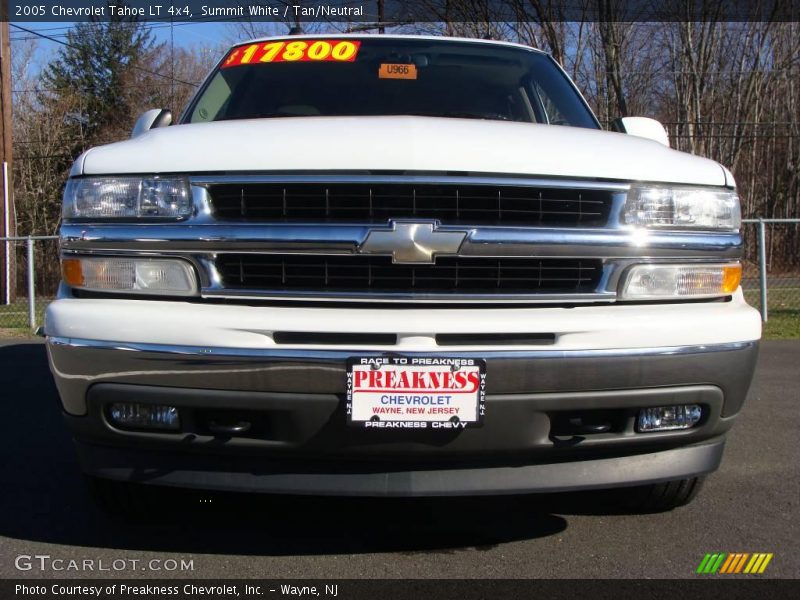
(734, 563)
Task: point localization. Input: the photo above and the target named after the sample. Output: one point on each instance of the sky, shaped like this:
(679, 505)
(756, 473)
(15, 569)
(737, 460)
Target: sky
(185, 35)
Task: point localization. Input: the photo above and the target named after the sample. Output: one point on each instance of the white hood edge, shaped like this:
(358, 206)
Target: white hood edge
(403, 143)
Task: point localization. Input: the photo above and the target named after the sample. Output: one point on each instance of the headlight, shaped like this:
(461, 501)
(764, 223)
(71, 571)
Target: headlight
(662, 282)
(154, 276)
(682, 208)
(127, 197)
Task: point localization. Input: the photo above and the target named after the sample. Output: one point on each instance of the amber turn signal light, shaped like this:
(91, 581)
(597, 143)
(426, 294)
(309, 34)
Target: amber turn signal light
(71, 272)
(731, 278)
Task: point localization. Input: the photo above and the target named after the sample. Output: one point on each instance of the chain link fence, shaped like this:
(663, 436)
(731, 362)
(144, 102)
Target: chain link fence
(771, 278)
(32, 275)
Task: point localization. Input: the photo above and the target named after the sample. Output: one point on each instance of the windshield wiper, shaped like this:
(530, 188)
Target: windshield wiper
(458, 115)
(274, 115)
(447, 115)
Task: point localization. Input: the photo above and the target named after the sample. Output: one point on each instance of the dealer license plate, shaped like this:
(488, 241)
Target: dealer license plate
(422, 392)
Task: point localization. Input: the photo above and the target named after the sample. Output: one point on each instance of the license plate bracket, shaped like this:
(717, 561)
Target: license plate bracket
(415, 392)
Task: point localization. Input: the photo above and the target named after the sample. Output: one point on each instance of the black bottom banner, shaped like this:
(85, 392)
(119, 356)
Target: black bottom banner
(407, 589)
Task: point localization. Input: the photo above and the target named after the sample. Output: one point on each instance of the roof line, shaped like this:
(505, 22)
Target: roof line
(325, 36)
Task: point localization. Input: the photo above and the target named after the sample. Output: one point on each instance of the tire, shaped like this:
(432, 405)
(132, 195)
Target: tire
(661, 497)
(121, 500)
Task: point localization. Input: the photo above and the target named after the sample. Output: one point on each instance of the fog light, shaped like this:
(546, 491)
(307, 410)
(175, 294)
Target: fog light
(144, 416)
(667, 418)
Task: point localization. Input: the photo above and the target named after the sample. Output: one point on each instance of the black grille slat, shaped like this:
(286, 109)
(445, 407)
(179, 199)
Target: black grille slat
(333, 339)
(449, 203)
(466, 275)
(495, 339)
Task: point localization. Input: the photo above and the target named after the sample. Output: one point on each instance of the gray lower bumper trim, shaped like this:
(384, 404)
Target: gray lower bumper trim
(78, 364)
(276, 477)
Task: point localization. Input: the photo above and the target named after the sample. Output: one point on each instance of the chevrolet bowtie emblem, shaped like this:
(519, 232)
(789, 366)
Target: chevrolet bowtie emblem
(412, 242)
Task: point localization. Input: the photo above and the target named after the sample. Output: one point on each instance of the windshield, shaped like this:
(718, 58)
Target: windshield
(371, 77)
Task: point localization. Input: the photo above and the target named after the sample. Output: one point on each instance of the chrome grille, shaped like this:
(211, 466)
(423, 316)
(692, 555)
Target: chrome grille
(510, 204)
(370, 274)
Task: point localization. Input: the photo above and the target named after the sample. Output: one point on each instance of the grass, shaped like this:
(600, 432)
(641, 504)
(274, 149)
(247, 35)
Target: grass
(14, 333)
(782, 324)
(14, 318)
(783, 316)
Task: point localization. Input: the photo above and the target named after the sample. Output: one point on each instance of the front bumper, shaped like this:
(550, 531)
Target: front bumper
(370, 479)
(302, 444)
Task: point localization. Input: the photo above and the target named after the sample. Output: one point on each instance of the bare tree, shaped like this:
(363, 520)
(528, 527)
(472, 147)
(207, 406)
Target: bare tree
(729, 90)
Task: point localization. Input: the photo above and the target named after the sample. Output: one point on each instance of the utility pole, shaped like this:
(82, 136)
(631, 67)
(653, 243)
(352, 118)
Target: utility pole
(7, 221)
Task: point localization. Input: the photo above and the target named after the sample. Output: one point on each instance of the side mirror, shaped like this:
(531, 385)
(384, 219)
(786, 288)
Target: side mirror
(642, 127)
(156, 117)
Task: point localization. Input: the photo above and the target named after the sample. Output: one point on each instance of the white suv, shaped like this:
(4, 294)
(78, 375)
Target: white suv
(399, 265)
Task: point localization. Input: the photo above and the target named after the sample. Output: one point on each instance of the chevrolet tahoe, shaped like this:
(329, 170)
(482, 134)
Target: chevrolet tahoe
(399, 266)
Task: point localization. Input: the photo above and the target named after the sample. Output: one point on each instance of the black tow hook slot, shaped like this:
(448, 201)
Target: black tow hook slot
(229, 428)
(579, 426)
(234, 423)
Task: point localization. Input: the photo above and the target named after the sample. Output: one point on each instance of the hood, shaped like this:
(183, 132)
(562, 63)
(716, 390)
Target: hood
(404, 143)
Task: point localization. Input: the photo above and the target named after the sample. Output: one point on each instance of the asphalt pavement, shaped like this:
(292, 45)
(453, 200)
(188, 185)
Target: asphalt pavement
(752, 504)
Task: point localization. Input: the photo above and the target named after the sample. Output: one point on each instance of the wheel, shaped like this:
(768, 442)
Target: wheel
(660, 497)
(122, 500)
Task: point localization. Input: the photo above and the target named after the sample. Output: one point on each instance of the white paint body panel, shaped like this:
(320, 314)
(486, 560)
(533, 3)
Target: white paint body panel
(228, 326)
(402, 143)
